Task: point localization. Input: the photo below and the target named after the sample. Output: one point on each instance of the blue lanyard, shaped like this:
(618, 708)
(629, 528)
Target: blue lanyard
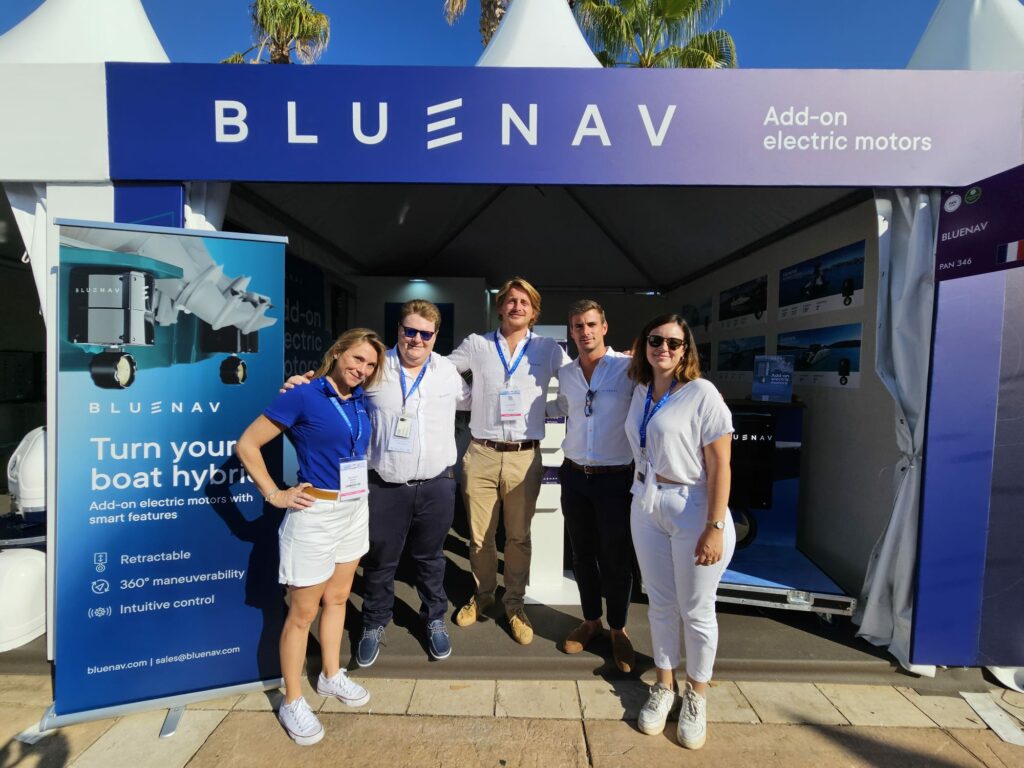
(649, 412)
(332, 396)
(519, 357)
(415, 384)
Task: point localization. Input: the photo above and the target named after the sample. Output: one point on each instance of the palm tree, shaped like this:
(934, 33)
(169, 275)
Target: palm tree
(657, 33)
(491, 12)
(282, 28)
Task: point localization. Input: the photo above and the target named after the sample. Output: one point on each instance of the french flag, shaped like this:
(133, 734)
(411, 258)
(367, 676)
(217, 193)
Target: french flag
(1009, 252)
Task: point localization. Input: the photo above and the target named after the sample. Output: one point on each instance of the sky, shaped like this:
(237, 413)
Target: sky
(826, 34)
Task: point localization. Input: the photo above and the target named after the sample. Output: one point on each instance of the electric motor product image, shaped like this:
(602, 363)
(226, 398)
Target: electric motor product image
(160, 296)
(848, 291)
(112, 308)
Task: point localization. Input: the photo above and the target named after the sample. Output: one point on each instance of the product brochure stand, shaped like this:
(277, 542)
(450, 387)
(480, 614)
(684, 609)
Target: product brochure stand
(767, 568)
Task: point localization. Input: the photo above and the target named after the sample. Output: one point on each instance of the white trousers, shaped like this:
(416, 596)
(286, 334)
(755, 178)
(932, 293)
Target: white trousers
(664, 536)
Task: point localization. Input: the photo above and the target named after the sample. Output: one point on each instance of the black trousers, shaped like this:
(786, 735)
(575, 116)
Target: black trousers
(413, 517)
(596, 511)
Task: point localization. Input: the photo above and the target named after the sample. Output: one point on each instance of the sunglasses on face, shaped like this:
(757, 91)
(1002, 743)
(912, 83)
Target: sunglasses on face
(410, 333)
(655, 341)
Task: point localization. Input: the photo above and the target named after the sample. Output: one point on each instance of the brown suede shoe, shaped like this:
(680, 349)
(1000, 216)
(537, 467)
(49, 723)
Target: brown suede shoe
(471, 611)
(580, 637)
(622, 652)
(519, 624)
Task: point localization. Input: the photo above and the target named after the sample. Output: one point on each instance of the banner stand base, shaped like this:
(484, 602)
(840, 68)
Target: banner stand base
(170, 726)
(176, 704)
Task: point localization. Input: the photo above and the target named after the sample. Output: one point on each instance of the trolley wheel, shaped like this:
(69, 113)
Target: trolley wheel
(746, 527)
(113, 370)
(233, 370)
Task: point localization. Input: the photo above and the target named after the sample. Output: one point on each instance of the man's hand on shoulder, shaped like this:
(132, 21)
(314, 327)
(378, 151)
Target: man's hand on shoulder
(297, 380)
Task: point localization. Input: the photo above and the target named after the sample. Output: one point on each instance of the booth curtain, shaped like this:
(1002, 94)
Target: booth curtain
(28, 204)
(907, 227)
(206, 202)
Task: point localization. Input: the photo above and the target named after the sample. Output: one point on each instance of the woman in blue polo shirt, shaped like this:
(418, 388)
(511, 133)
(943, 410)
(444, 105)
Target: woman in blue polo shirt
(326, 528)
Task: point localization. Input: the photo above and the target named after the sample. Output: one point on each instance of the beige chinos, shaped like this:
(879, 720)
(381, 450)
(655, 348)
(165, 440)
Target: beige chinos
(509, 482)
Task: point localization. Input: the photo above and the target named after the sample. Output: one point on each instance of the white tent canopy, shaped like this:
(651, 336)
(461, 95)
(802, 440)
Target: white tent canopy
(83, 31)
(973, 34)
(538, 33)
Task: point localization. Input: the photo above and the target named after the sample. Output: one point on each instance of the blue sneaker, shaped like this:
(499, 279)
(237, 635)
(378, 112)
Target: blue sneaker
(437, 639)
(369, 646)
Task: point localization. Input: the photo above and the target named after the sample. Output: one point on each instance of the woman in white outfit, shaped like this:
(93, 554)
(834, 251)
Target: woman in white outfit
(680, 431)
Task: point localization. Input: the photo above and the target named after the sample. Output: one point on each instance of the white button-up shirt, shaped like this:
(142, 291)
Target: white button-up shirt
(598, 439)
(441, 392)
(532, 378)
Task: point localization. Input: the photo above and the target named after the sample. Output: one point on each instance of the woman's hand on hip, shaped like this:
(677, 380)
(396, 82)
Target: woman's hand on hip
(291, 498)
(710, 546)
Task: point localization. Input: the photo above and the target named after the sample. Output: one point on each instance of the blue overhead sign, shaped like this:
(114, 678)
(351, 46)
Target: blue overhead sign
(559, 126)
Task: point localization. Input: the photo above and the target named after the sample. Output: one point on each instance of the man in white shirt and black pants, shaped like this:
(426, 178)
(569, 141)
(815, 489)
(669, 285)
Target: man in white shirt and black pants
(594, 393)
(412, 483)
(512, 369)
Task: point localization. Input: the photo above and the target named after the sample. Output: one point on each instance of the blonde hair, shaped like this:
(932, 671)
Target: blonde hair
(523, 285)
(425, 309)
(688, 369)
(347, 340)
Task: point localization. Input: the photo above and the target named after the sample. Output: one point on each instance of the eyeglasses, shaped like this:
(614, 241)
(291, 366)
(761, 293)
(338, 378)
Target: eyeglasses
(655, 341)
(410, 333)
(588, 405)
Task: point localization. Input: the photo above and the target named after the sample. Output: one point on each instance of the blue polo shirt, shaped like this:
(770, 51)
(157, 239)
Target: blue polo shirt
(319, 433)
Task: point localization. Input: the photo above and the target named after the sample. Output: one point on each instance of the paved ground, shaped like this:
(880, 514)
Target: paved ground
(550, 723)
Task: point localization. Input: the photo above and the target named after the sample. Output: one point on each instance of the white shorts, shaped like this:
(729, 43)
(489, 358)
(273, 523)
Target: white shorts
(313, 540)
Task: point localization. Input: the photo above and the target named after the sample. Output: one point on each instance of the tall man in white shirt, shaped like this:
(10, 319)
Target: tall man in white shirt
(512, 369)
(412, 483)
(594, 394)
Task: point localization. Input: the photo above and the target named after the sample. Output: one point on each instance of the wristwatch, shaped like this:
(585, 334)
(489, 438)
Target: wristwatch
(719, 524)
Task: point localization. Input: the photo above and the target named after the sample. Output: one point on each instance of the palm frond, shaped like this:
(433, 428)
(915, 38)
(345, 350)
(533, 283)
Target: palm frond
(710, 50)
(606, 25)
(234, 58)
(453, 10)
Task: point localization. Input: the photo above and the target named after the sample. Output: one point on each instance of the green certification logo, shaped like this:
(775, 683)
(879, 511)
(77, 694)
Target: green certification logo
(972, 195)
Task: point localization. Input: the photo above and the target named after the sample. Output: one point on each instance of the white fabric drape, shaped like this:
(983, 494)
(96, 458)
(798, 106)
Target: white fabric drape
(907, 226)
(28, 204)
(206, 202)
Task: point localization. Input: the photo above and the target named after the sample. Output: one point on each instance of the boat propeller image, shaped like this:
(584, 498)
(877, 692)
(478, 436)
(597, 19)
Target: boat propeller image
(148, 299)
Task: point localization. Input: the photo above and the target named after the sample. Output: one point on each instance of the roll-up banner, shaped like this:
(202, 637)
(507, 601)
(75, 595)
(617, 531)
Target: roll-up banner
(169, 342)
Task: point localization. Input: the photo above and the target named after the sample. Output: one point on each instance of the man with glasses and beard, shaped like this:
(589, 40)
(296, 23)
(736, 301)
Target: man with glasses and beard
(412, 481)
(594, 394)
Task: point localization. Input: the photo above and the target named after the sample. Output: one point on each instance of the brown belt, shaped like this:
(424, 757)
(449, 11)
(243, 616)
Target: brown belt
(597, 469)
(316, 493)
(518, 445)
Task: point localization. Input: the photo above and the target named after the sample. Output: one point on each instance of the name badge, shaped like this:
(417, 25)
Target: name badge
(510, 405)
(404, 435)
(352, 479)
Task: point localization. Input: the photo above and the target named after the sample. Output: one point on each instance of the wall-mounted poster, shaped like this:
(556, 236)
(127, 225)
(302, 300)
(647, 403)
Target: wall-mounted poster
(698, 316)
(744, 304)
(825, 357)
(736, 358)
(834, 280)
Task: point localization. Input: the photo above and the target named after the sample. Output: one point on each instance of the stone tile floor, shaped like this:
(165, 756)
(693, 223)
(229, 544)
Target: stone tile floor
(530, 723)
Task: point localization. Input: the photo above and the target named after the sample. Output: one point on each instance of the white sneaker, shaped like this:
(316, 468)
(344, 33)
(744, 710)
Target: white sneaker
(655, 710)
(693, 720)
(343, 688)
(300, 722)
